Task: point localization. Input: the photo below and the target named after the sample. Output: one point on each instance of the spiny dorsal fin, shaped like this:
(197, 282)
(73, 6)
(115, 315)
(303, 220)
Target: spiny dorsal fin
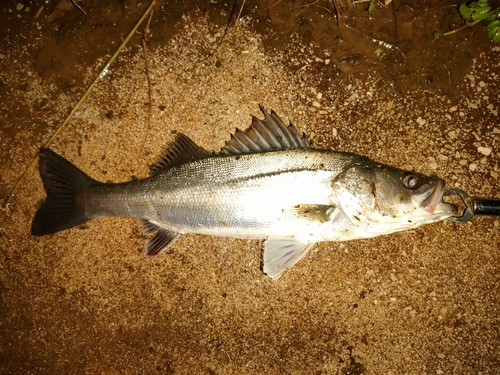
(265, 135)
(181, 150)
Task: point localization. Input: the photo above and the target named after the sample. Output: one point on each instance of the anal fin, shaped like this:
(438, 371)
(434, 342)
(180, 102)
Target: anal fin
(161, 240)
(282, 253)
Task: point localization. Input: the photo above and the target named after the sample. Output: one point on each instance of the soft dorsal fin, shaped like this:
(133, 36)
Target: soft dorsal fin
(265, 135)
(181, 150)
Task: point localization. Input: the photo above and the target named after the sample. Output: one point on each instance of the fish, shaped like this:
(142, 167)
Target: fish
(267, 183)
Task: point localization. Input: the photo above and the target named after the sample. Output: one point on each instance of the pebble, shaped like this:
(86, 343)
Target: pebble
(19, 6)
(472, 167)
(442, 157)
(496, 131)
(484, 150)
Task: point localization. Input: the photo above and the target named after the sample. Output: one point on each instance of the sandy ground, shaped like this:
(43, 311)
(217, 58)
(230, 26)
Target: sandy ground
(86, 301)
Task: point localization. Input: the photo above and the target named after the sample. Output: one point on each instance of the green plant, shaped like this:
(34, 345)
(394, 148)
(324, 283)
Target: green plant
(475, 12)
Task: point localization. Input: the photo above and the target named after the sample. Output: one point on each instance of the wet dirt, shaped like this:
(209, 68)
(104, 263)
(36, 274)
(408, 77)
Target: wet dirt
(86, 301)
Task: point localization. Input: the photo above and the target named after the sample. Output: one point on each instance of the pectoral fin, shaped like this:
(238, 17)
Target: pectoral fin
(161, 241)
(282, 253)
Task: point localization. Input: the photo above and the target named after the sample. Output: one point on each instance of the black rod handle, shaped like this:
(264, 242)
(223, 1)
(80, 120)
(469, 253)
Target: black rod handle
(490, 207)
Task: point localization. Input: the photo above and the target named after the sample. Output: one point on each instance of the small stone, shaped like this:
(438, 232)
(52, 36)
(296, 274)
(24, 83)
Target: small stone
(484, 150)
(452, 134)
(472, 167)
(442, 157)
(462, 162)
(496, 131)
(441, 355)
(19, 6)
(334, 132)
(494, 174)
(370, 272)
(420, 121)
(453, 109)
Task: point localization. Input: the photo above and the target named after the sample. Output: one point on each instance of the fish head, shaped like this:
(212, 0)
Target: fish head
(379, 199)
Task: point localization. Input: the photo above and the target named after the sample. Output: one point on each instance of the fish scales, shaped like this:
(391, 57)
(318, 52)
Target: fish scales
(242, 196)
(268, 182)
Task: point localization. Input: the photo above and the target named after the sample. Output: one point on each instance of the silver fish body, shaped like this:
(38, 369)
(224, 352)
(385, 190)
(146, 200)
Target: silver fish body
(267, 183)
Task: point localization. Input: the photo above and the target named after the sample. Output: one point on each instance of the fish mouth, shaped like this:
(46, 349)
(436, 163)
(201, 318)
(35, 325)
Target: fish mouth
(433, 203)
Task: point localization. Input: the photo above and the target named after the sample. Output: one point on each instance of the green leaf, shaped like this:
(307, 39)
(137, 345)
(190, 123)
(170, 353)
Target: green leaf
(481, 13)
(493, 15)
(475, 11)
(465, 11)
(371, 7)
(494, 30)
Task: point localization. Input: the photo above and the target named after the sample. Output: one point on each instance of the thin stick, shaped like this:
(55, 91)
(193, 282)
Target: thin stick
(78, 6)
(306, 5)
(82, 99)
(378, 41)
(336, 12)
(150, 100)
(269, 6)
(241, 9)
(225, 32)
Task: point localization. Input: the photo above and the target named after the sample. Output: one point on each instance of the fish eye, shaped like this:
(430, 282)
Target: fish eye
(411, 181)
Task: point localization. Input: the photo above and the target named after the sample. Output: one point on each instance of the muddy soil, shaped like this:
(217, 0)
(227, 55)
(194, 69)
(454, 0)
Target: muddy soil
(86, 300)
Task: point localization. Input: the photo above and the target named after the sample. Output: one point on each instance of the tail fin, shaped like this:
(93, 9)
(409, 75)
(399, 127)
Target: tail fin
(65, 185)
